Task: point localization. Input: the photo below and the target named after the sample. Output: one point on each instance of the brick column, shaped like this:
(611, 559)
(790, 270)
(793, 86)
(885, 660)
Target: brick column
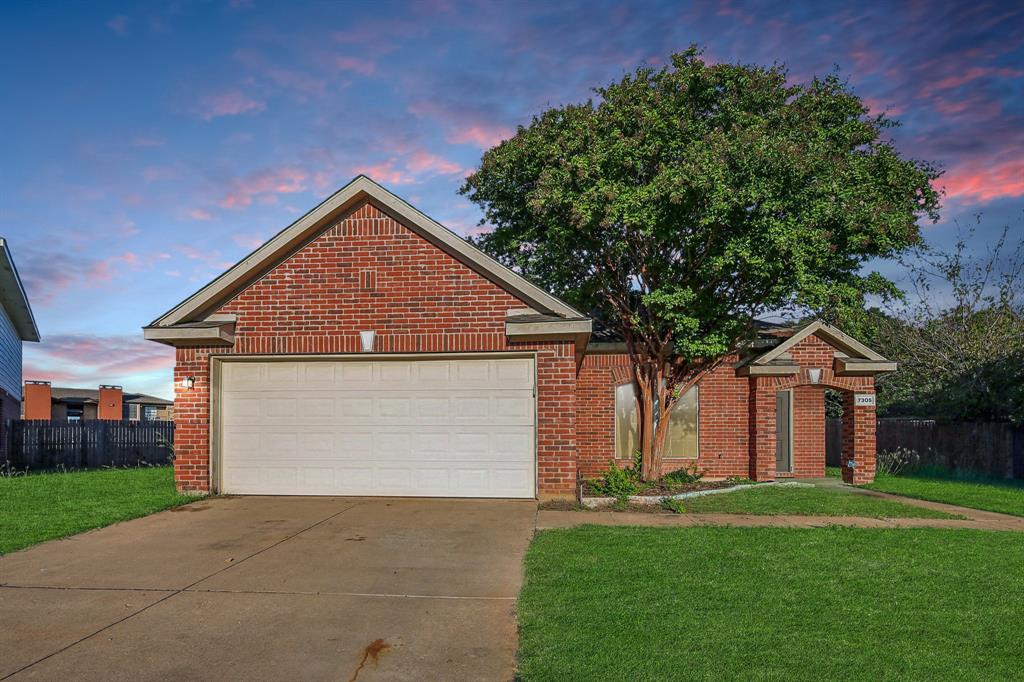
(858, 440)
(762, 430)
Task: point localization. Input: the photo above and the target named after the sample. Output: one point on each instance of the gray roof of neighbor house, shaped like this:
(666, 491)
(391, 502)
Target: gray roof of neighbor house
(13, 298)
(178, 323)
(92, 395)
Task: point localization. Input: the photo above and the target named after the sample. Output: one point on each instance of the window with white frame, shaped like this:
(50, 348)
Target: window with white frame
(149, 413)
(682, 441)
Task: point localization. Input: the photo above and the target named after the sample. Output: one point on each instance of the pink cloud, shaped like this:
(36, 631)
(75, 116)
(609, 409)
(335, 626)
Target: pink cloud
(48, 273)
(970, 75)
(462, 125)
(422, 161)
(410, 168)
(231, 103)
(88, 360)
(986, 182)
(360, 66)
(481, 135)
(727, 10)
(876, 106)
(297, 81)
(106, 269)
(199, 214)
(264, 185)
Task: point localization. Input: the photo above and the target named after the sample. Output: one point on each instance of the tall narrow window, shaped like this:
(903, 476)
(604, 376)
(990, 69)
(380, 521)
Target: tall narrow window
(682, 441)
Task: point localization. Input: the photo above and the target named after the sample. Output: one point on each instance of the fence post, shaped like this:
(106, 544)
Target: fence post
(1017, 455)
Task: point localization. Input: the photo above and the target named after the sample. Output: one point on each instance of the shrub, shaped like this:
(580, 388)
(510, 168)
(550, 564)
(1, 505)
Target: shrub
(897, 460)
(673, 505)
(685, 476)
(617, 482)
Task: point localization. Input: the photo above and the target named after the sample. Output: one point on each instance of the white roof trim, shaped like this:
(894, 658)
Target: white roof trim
(237, 277)
(837, 338)
(13, 297)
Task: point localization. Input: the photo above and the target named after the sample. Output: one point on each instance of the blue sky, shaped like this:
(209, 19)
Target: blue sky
(148, 146)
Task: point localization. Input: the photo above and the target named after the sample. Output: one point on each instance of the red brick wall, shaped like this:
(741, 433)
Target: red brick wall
(367, 271)
(809, 431)
(737, 416)
(722, 420)
(812, 352)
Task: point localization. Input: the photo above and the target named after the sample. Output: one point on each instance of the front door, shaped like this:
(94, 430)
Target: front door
(784, 431)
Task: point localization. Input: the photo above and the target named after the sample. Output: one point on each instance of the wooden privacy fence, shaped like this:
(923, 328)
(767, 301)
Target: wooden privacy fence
(991, 448)
(44, 444)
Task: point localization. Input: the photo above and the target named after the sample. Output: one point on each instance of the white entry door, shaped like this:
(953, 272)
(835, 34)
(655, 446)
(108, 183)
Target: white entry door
(417, 427)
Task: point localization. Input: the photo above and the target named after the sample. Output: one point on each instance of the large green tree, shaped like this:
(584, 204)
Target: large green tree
(681, 203)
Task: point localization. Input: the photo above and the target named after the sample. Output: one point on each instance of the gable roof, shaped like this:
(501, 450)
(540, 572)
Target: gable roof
(250, 268)
(13, 298)
(827, 332)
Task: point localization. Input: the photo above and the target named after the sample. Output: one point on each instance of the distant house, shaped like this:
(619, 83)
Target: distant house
(58, 403)
(17, 324)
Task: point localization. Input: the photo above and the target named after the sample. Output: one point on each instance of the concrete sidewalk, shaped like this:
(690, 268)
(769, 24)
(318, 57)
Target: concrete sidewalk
(273, 588)
(974, 518)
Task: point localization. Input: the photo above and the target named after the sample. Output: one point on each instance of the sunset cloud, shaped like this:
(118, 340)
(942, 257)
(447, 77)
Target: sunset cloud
(986, 182)
(85, 360)
(231, 103)
(263, 184)
(410, 168)
(481, 135)
(361, 66)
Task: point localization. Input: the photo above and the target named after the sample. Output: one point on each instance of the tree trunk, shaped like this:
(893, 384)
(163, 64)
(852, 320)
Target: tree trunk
(654, 406)
(645, 421)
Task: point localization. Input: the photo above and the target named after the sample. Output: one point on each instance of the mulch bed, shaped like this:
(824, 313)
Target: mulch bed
(660, 489)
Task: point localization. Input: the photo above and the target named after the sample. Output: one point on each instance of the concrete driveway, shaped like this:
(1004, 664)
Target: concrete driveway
(273, 588)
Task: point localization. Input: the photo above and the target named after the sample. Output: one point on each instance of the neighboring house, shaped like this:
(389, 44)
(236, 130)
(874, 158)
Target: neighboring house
(62, 404)
(17, 325)
(367, 350)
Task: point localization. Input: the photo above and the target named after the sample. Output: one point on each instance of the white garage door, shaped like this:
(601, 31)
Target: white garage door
(423, 427)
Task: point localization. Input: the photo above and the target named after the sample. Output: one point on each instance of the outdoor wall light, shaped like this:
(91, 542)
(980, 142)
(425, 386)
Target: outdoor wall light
(814, 375)
(366, 341)
(188, 383)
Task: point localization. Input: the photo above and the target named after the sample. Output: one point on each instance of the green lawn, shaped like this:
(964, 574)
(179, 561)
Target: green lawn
(784, 499)
(42, 507)
(614, 603)
(975, 492)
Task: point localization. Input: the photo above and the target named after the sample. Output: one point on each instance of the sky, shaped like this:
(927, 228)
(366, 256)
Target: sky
(146, 147)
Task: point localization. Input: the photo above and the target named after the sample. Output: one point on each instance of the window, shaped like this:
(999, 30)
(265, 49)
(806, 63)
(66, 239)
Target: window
(133, 412)
(149, 413)
(681, 442)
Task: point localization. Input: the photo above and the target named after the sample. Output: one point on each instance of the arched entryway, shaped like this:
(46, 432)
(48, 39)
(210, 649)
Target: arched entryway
(788, 425)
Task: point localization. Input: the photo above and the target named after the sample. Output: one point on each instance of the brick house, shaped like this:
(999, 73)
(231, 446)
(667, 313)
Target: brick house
(66, 404)
(367, 350)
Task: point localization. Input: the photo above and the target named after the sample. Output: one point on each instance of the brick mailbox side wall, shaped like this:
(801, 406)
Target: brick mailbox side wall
(368, 271)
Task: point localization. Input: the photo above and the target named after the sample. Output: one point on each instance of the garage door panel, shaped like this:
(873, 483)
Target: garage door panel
(406, 427)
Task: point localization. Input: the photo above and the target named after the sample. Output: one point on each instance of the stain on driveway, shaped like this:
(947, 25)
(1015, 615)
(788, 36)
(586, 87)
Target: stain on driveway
(274, 588)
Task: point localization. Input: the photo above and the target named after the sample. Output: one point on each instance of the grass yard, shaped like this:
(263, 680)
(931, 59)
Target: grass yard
(613, 603)
(40, 507)
(811, 501)
(975, 492)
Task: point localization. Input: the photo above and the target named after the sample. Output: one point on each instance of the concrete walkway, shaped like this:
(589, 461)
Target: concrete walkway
(273, 588)
(974, 518)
